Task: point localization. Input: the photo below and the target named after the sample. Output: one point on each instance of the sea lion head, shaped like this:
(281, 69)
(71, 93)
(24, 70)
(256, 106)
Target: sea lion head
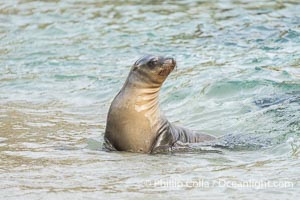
(153, 69)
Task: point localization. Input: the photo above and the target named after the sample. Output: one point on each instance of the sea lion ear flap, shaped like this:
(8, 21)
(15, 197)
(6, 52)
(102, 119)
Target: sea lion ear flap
(134, 67)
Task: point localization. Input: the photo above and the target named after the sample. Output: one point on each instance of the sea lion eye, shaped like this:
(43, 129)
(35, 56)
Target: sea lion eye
(152, 63)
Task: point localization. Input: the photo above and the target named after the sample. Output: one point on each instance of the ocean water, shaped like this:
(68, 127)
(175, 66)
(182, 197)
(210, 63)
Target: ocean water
(62, 62)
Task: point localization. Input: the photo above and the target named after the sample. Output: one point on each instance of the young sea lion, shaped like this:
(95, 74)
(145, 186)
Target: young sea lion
(135, 122)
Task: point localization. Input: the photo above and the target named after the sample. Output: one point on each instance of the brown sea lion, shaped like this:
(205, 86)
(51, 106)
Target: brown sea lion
(135, 122)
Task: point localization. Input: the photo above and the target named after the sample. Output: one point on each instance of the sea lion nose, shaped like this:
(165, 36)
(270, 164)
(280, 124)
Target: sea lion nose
(170, 60)
(173, 61)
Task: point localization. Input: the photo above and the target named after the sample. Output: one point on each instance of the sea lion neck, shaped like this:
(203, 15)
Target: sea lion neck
(137, 81)
(143, 96)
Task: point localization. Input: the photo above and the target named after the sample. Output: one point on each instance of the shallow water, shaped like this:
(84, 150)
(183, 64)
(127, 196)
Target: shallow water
(62, 62)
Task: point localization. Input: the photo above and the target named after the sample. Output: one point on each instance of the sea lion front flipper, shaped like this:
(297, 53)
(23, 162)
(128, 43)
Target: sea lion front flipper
(107, 146)
(163, 143)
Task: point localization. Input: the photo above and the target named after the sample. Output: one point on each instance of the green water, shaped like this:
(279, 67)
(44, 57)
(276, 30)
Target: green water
(62, 62)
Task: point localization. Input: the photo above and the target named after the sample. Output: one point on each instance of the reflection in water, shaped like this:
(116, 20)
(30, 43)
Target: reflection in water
(62, 62)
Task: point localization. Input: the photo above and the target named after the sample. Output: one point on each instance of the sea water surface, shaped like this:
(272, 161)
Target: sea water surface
(63, 61)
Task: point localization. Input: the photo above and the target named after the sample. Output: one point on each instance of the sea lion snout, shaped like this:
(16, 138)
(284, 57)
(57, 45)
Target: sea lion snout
(169, 64)
(170, 61)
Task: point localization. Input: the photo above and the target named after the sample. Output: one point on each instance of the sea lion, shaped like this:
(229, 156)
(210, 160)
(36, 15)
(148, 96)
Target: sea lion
(135, 122)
